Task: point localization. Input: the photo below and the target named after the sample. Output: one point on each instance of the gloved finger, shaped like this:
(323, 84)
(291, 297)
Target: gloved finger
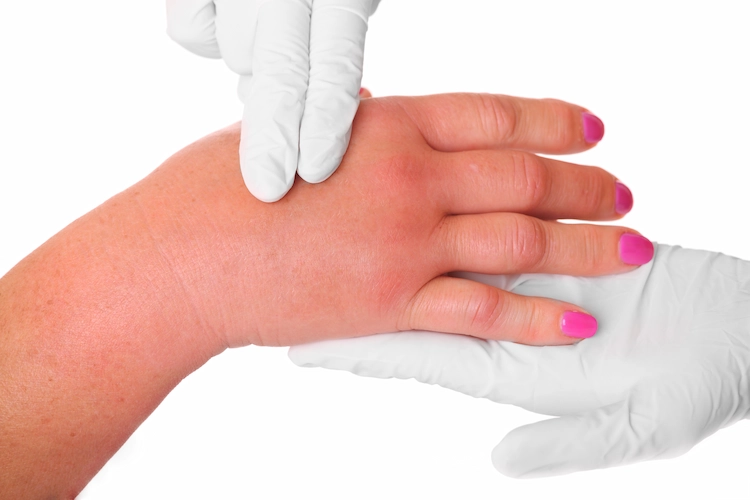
(650, 423)
(508, 243)
(501, 371)
(236, 24)
(469, 182)
(337, 44)
(461, 122)
(455, 305)
(457, 362)
(191, 23)
(274, 98)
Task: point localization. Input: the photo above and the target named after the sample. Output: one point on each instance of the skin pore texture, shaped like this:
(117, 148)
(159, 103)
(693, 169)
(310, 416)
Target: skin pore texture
(103, 320)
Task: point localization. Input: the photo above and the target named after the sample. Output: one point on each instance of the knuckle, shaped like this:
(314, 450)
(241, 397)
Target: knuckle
(566, 132)
(402, 174)
(485, 308)
(498, 117)
(530, 319)
(590, 246)
(596, 184)
(532, 179)
(527, 243)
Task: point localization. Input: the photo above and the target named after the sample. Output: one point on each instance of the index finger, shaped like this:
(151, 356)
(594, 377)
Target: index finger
(274, 98)
(337, 42)
(461, 122)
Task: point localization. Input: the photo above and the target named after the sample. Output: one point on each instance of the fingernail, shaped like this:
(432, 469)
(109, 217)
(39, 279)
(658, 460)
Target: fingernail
(361, 90)
(578, 325)
(623, 198)
(635, 250)
(593, 128)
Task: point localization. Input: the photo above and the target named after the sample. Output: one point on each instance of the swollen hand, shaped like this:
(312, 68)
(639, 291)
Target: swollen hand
(429, 185)
(300, 66)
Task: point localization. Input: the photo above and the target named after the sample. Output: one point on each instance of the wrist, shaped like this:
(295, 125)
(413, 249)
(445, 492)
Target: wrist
(206, 233)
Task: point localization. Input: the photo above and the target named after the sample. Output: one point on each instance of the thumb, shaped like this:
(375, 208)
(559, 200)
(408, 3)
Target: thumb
(452, 361)
(500, 371)
(622, 433)
(274, 98)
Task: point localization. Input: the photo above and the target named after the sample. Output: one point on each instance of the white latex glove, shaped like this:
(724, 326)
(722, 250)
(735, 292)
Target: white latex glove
(668, 367)
(300, 67)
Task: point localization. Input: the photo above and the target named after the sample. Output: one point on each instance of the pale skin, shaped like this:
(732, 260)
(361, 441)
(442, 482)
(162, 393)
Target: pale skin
(99, 323)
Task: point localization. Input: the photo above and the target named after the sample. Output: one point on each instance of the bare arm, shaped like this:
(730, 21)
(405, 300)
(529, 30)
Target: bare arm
(95, 333)
(104, 319)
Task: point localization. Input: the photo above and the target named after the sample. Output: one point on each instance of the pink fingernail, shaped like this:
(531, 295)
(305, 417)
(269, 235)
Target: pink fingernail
(593, 128)
(578, 325)
(361, 90)
(623, 198)
(635, 250)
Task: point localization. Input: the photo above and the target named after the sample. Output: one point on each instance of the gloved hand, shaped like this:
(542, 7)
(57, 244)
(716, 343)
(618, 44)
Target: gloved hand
(669, 366)
(300, 67)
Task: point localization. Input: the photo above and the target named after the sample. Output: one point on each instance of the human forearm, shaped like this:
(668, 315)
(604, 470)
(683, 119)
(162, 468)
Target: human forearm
(94, 333)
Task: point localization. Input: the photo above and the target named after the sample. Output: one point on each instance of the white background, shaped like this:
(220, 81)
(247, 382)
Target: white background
(93, 96)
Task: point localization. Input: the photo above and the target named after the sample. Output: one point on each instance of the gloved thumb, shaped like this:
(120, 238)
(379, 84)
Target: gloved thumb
(501, 371)
(621, 433)
(452, 361)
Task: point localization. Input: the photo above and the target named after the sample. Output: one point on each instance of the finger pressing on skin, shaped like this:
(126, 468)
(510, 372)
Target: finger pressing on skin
(517, 181)
(507, 243)
(460, 122)
(337, 41)
(456, 305)
(364, 93)
(274, 99)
